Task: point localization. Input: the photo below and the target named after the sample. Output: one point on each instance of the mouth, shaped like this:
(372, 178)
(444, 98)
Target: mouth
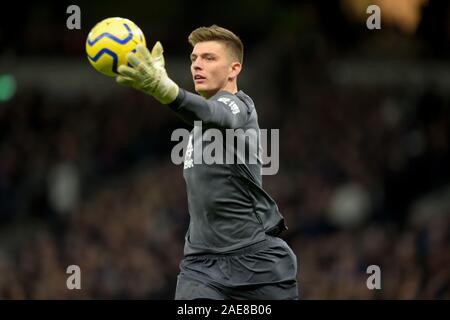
(199, 79)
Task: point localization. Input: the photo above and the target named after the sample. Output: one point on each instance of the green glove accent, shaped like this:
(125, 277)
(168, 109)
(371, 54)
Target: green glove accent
(148, 74)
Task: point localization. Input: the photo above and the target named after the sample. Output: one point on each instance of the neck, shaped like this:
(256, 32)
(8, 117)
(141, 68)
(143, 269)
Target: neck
(229, 87)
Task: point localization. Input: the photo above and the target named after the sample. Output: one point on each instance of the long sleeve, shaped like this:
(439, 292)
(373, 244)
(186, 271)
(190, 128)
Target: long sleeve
(223, 110)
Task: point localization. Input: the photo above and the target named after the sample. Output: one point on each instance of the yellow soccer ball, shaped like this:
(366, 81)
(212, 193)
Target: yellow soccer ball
(109, 42)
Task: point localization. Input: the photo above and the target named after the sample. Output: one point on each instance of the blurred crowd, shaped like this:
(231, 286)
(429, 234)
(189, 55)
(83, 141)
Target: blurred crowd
(361, 183)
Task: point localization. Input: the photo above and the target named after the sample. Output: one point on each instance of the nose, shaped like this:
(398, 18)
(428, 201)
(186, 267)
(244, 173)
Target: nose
(196, 65)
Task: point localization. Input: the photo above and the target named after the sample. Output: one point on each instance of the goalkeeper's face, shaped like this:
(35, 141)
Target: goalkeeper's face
(213, 68)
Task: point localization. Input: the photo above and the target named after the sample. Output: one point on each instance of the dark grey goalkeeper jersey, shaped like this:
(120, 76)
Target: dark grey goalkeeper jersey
(228, 208)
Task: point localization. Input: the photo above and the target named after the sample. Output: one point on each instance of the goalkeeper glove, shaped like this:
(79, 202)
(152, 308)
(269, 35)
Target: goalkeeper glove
(148, 74)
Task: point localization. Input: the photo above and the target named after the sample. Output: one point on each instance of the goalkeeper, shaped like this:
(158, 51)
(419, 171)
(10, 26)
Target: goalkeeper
(232, 249)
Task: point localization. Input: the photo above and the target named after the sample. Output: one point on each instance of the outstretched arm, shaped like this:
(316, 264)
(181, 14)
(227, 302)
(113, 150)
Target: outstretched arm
(148, 74)
(224, 111)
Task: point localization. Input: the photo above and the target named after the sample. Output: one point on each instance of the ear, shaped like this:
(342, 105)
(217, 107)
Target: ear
(235, 69)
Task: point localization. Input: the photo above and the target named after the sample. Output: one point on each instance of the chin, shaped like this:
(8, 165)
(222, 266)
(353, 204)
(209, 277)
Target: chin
(204, 92)
(199, 89)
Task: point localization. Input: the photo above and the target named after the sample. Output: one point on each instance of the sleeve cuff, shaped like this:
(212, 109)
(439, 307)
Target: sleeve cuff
(175, 105)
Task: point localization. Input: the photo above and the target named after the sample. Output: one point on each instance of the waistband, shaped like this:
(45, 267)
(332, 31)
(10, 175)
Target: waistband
(239, 252)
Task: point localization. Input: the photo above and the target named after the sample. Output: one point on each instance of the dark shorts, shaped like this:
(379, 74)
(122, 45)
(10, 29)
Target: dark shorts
(263, 271)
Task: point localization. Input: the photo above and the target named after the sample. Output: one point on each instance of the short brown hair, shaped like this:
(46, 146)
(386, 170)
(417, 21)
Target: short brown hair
(216, 33)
